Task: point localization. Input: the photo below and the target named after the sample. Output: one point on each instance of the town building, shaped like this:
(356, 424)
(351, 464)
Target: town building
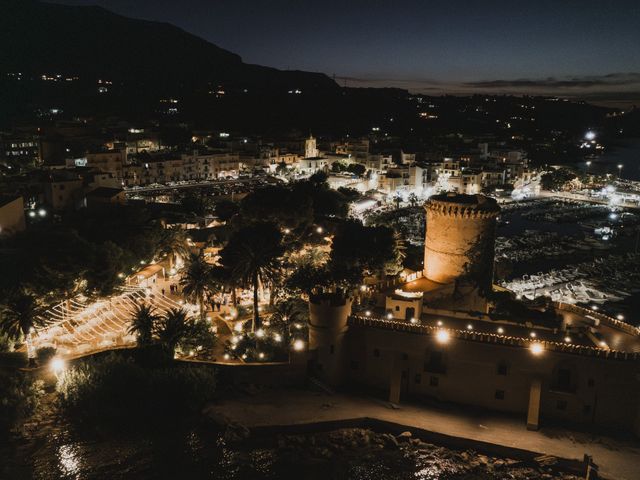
(11, 215)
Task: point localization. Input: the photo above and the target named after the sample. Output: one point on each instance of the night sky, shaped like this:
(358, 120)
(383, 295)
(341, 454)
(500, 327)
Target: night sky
(587, 49)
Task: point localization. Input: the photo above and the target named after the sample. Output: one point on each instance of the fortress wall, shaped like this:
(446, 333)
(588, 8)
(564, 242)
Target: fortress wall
(603, 392)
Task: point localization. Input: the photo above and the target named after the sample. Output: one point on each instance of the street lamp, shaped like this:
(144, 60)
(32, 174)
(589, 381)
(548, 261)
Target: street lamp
(620, 170)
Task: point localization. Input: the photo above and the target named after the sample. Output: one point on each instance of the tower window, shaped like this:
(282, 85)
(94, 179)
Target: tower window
(499, 395)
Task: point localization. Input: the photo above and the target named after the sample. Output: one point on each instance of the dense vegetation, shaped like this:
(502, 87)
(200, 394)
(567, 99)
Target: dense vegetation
(118, 390)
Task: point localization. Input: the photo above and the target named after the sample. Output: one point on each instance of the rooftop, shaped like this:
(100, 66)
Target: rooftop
(105, 192)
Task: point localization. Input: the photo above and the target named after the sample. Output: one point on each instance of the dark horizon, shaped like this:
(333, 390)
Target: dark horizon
(579, 50)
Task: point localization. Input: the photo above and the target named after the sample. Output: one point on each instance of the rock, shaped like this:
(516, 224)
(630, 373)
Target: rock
(389, 441)
(250, 389)
(236, 432)
(216, 419)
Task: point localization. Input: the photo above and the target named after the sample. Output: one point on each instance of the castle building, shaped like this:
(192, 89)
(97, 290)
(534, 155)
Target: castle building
(436, 336)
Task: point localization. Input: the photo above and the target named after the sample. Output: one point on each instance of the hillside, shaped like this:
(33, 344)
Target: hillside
(41, 38)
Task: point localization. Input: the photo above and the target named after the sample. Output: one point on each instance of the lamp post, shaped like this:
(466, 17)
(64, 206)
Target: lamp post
(620, 170)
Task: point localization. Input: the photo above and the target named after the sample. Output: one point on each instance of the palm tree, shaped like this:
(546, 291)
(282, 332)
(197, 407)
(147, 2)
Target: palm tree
(173, 243)
(20, 315)
(143, 324)
(251, 256)
(221, 279)
(174, 326)
(285, 314)
(196, 282)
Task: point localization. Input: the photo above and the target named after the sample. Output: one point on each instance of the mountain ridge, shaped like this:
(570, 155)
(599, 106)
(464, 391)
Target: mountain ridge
(92, 41)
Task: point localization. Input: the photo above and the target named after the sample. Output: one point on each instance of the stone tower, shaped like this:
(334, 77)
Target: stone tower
(310, 150)
(328, 315)
(460, 238)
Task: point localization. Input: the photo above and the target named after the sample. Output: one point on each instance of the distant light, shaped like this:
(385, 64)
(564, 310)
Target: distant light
(594, 307)
(439, 323)
(567, 339)
(500, 330)
(363, 288)
(613, 216)
(603, 344)
(287, 231)
(533, 335)
(298, 345)
(227, 356)
(238, 327)
(319, 230)
(620, 165)
(277, 337)
(389, 316)
(32, 213)
(590, 135)
(57, 365)
(42, 212)
(261, 355)
(469, 327)
(442, 336)
(414, 320)
(620, 316)
(260, 333)
(368, 313)
(536, 348)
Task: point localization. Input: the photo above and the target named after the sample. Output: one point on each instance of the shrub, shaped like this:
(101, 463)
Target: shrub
(115, 390)
(45, 354)
(20, 394)
(14, 359)
(6, 343)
